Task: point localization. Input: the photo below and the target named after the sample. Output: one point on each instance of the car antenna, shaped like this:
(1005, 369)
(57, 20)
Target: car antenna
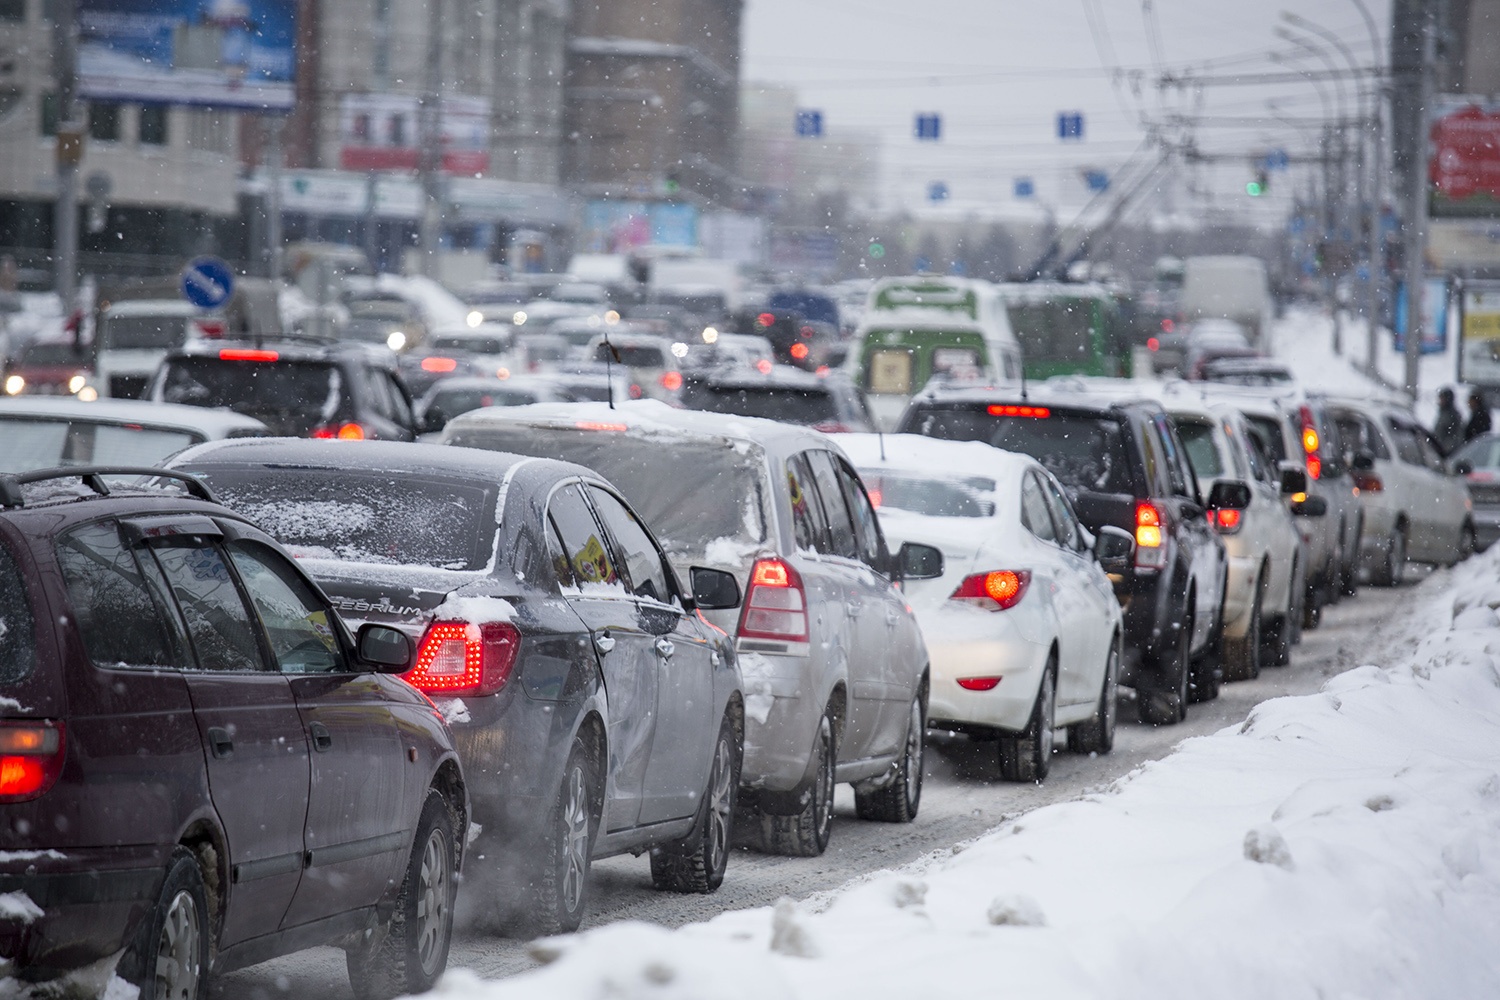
(1024, 397)
(881, 435)
(609, 372)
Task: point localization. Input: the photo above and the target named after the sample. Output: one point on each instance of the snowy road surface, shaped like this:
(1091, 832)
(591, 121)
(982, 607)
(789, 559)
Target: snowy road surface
(963, 797)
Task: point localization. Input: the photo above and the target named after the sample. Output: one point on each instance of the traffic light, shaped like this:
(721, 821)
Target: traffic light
(1260, 185)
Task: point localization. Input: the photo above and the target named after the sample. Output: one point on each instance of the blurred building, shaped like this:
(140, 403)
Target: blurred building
(795, 170)
(651, 105)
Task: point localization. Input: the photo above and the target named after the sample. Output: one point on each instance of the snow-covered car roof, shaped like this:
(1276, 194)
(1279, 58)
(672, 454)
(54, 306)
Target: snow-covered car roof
(650, 417)
(918, 453)
(152, 307)
(211, 423)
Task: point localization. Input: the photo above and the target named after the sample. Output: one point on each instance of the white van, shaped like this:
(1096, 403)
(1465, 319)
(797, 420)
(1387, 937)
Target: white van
(1229, 287)
(134, 336)
(918, 328)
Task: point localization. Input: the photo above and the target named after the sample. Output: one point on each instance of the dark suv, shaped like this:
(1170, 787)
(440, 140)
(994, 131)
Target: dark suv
(1121, 461)
(200, 768)
(297, 388)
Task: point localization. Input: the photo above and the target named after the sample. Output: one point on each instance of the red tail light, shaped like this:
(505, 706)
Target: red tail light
(233, 354)
(1040, 412)
(1152, 344)
(763, 366)
(1367, 482)
(995, 591)
(459, 658)
(765, 319)
(979, 683)
(437, 364)
(1225, 520)
(776, 607)
(1310, 442)
(343, 432)
(1150, 552)
(798, 351)
(831, 427)
(31, 758)
(671, 381)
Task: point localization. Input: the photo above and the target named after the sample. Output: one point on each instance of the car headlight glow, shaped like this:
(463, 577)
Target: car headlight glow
(396, 340)
(14, 384)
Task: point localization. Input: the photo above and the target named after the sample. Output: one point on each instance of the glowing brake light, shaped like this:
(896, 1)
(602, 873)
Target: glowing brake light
(763, 366)
(996, 591)
(1152, 344)
(1150, 553)
(595, 425)
(671, 381)
(765, 319)
(439, 365)
(242, 354)
(460, 658)
(776, 607)
(1040, 412)
(1309, 440)
(349, 431)
(979, 683)
(31, 759)
(798, 351)
(1225, 520)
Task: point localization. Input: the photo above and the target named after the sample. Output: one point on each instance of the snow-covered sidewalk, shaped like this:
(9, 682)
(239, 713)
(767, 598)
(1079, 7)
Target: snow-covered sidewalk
(1338, 845)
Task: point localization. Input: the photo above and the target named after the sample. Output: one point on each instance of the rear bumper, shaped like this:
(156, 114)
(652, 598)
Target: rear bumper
(92, 902)
(782, 710)
(1018, 663)
(1486, 525)
(1239, 595)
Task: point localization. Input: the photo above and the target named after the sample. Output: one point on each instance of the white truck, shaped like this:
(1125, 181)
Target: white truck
(1232, 287)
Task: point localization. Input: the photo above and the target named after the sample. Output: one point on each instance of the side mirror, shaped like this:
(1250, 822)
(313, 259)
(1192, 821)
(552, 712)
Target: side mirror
(1114, 548)
(387, 650)
(916, 561)
(1362, 461)
(1229, 494)
(433, 420)
(1293, 480)
(1312, 506)
(714, 589)
(1463, 467)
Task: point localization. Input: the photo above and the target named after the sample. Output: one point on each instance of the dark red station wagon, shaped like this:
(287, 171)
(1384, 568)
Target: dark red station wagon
(200, 768)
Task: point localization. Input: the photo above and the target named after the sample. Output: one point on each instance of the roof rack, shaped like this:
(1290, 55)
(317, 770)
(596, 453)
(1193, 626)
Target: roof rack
(93, 478)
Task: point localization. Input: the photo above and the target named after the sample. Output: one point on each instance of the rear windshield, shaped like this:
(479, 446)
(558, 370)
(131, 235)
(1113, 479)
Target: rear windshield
(690, 493)
(51, 354)
(17, 629)
(368, 517)
(452, 402)
(794, 406)
(1085, 452)
(144, 332)
(1060, 330)
(1203, 455)
(291, 397)
(636, 356)
(934, 496)
(1270, 436)
(39, 443)
(475, 345)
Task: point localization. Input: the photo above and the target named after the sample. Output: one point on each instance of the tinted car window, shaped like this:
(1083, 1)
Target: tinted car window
(1177, 474)
(643, 567)
(809, 527)
(1034, 512)
(637, 356)
(840, 525)
(1085, 452)
(120, 623)
(373, 517)
(1198, 441)
(1407, 446)
(793, 406)
(291, 397)
(587, 564)
(299, 626)
(218, 622)
(17, 628)
(41, 443)
(144, 332)
(931, 495)
(1270, 436)
(866, 530)
(1069, 532)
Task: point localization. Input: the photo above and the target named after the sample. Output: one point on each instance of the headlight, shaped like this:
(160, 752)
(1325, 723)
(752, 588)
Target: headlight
(88, 394)
(679, 350)
(519, 318)
(14, 384)
(710, 335)
(76, 382)
(475, 318)
(396, 340)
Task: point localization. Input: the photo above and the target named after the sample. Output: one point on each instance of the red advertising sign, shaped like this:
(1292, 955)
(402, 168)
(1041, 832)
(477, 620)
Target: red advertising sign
(1465, 165)
(380, 132)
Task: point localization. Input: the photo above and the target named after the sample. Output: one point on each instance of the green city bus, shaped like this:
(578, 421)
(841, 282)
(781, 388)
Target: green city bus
(1068, 329)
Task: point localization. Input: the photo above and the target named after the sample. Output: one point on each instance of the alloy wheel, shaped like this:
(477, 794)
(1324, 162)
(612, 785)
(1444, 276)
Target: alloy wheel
(1047, 716)
(914, 746)
(179, 949)
(575, 834)
(720, 806)
(433, 902)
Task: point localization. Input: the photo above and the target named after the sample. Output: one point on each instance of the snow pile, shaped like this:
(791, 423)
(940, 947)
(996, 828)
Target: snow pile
(1343, 844)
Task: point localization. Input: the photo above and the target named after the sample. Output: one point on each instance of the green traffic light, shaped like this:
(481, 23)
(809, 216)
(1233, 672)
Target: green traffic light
(877, 250)
(1254, 189)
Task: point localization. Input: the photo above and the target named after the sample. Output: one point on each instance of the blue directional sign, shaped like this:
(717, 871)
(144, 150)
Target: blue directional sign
(1097, 180)
(809, 123)
(1025, 187)
(1277, 159)
(937, 191)
(929, 126)
(1070, 124)
(207, 282)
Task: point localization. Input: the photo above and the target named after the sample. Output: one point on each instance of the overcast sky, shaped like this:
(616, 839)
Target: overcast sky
(999, 71)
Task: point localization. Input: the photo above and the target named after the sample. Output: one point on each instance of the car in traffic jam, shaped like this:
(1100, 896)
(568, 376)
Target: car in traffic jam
(335, 633)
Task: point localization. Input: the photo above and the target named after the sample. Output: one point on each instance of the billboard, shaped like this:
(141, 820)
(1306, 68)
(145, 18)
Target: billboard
(1464, 169)
(382, 132)
(212, 53)
(622, 226)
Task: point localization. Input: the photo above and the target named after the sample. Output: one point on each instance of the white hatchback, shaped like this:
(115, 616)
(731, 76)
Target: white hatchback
(1022, 627)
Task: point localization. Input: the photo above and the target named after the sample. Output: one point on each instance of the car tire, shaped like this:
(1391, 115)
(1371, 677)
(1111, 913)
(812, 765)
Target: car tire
(411, 951)
(1295, 601)
(560, 883)
(697, 865)
(1027, 755)
(1468, 542)
(806, 833)
(1390, 572)
(1349, 577)
(169, 959)
(897, 799)
(1161, 707)
(1242, 655)
(1097, 735)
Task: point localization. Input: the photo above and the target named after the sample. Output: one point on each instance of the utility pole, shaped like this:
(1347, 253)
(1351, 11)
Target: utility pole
(430, 140)
(1413, 50)
(273, 197)
(70, 132)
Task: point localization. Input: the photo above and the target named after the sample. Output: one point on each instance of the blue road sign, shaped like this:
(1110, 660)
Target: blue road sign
(929, 126)
(1024, 187)
(937, 191)
(1097, 180)
(809, 123)
(207, 282)
(1070, 124)
(1277, 159)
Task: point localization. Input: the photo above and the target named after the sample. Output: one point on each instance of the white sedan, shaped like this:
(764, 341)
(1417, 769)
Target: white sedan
(1023, 628)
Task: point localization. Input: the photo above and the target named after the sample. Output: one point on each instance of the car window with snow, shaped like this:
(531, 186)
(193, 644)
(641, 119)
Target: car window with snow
(115, 611)
(930, 494)
(691, 492)
(1203, 453)
(17, 627)
(390, 518)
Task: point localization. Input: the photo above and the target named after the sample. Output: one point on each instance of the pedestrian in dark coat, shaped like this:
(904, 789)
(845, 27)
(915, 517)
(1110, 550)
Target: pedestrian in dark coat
(1449, 428)
(1479, 416)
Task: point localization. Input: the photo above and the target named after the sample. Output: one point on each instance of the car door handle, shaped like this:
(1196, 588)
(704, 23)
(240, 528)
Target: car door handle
(322, 738)
(665, 648)
(220, 742)
(604, 641)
